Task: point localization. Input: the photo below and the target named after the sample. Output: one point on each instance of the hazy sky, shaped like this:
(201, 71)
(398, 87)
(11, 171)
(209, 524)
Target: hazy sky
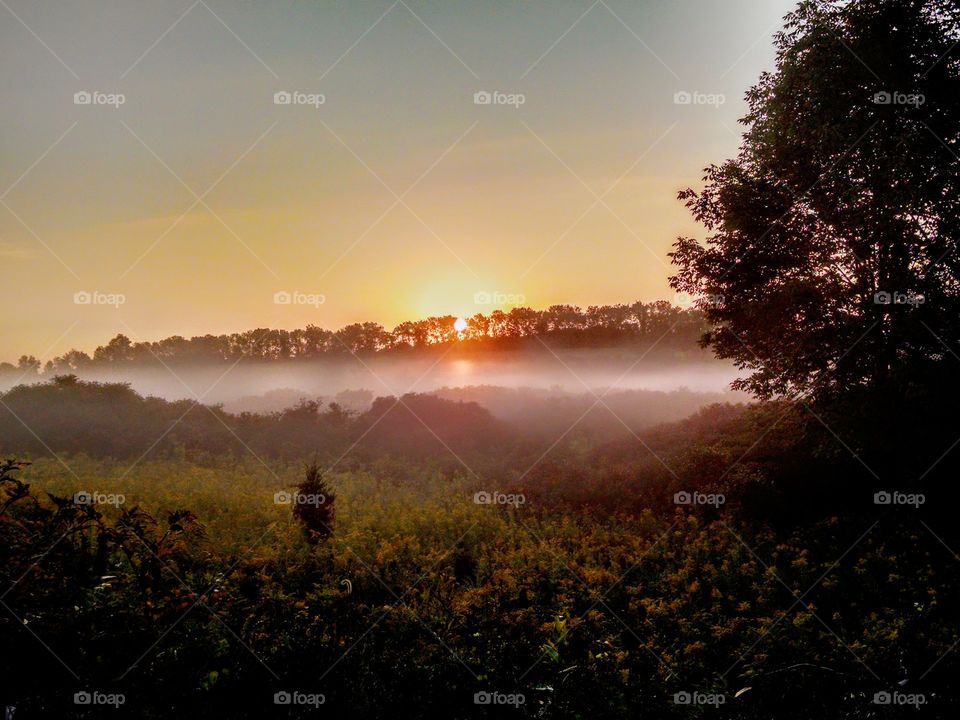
(199, 198)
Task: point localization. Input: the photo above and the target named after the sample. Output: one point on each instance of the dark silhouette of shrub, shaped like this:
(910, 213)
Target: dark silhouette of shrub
(313, 505)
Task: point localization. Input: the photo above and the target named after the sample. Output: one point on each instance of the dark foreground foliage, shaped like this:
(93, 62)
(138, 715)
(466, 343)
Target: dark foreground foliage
(590, 594)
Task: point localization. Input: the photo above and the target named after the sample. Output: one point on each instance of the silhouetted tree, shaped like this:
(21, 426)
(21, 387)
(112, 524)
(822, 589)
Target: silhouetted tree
(464, 564)
(28, 365)
(313, 506)
(832, 260)
(597, 325)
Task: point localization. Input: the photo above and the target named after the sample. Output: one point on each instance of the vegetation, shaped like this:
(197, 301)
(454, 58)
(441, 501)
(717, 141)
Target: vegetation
(313, 505)
(790, 558)
(583, 600)
(564, 325)
(837, 223)
(830, 273)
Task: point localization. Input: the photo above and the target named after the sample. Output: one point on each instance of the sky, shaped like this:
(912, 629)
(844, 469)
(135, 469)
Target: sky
(435, 157)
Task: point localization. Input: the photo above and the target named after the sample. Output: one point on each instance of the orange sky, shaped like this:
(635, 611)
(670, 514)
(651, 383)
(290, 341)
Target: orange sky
(188, 207)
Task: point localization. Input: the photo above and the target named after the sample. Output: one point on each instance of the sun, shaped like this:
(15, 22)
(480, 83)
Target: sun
(459, 324)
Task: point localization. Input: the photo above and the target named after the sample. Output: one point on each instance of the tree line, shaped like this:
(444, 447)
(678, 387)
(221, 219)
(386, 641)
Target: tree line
(569, 324)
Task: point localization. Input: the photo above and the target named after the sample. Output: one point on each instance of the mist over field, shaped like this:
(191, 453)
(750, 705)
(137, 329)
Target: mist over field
(542, 392)
(575, 371)
(649, 349)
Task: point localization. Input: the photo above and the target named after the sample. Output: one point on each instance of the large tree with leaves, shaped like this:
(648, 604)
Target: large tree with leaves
(845, 193)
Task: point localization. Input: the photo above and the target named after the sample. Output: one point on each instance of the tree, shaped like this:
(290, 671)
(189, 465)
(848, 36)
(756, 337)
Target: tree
(522, 322)
(478, 327)
(69, 362)
(313, 505)
(354, 400)
(574, 326)
(564, 317)
(28, 364)
(832, 258)
(441, 329)
(411, 333)
(119, 349)
(361, 338)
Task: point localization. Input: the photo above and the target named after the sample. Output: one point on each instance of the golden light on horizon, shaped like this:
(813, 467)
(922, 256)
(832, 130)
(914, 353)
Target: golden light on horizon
(499, 208)
(459, 324)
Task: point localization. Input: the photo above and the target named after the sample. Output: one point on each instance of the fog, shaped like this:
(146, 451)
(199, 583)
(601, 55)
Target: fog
(267, 386)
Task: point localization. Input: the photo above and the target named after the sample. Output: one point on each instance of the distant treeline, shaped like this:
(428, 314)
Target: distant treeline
(72, 416)
(774, 462)
(566, 325)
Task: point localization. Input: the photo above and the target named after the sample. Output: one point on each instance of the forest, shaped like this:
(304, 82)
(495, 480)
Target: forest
(564, 325)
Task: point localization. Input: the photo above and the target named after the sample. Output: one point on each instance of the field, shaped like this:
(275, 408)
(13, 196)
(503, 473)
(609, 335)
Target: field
(427, 597)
